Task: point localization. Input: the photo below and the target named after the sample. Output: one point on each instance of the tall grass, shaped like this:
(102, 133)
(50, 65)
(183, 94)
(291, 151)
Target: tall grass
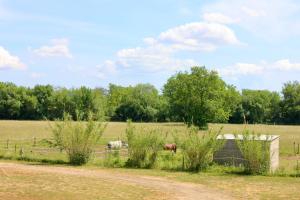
(78, 138)
(255, 152)
(198, 149)
(143, 146)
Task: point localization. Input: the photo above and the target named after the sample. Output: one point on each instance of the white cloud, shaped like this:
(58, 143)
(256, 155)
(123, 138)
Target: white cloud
(218, 18)
(8, 61)
(153, 60)
(286, 65)
(242, 69)
(264, 18)
(198, 36)
(58, 48)
(160, 54)
(106, 69)
(246, 69)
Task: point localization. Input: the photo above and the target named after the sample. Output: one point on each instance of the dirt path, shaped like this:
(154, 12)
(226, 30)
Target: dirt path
(177, 190)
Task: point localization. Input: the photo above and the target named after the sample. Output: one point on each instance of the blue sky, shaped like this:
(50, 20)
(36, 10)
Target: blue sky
(252, 43)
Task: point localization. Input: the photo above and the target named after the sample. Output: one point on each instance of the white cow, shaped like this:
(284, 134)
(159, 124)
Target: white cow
(118, 144)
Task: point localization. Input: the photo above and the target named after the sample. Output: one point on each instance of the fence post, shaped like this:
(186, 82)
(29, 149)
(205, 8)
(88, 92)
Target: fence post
(21, 152)
(15, 148)
(182, 162)
(7, 141)
(295, 148)
(34, 141)
(298, 148)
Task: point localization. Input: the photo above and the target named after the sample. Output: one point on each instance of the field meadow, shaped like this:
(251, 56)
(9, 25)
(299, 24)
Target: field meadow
(279, 186)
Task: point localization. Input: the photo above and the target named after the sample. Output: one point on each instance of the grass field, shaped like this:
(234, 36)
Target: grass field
(240, 186)
(16, 131)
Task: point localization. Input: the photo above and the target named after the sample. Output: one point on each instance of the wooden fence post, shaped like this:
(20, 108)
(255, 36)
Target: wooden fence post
(15, 148)
(294, 148)
(7, 142)
(183, 163)
(21, 152)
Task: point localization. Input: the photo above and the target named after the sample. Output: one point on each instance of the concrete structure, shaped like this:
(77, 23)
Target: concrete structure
(230, 154)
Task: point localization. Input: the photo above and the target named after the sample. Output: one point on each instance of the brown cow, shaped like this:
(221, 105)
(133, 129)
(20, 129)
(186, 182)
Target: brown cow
(170, 147)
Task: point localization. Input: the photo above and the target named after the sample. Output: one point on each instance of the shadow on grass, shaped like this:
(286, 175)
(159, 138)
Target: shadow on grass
(36, 161)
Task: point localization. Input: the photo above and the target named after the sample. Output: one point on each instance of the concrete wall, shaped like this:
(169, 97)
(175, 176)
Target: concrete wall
(274, 154)
(230, 154)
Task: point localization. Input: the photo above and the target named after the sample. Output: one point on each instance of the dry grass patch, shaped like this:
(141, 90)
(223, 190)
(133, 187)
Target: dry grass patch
(26, 184)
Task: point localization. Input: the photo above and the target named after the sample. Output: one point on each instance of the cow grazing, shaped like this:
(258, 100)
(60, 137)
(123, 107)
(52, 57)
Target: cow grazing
(118, 144)
(170, 147)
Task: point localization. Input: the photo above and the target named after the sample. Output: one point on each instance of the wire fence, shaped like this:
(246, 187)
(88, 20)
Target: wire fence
(41, 146)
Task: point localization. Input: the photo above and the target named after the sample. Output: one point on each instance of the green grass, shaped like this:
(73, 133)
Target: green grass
(228, 179)
(16, 131)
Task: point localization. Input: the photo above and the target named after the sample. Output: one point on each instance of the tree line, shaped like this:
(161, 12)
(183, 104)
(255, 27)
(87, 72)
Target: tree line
(196, 97)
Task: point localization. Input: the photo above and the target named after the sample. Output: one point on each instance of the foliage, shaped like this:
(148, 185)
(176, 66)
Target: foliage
(198, 149)
(290, 105)
(138, 103)
(77, 138)
(199, 97)
(260, 105)
(143, 146)
(46, 102)
(112, 159)
(256, 152)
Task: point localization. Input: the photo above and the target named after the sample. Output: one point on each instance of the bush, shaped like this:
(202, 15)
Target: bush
(198, 149)
(143, 146)
(255, 152)
(112, 159)
(77, 138)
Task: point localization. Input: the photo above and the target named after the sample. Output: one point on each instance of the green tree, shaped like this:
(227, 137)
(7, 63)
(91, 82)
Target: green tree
(10, 101)
(260, 106)
(290, 104)
(28, 104)
(199, 97)
(87, 101)
(138, 103)
(43, 94)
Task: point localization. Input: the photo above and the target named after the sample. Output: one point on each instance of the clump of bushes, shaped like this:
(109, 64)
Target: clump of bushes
(198, 149)
(112, 159)
(143, 146)
(255, 152)
(78, 138)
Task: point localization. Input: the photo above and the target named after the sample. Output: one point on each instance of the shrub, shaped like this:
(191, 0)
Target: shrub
(255, 152)
(143, 146)
(77, 138)
(198, 148)
(112, 159)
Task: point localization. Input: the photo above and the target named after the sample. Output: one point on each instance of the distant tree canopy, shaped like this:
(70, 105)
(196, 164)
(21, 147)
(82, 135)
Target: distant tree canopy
(197, 97)
(257, 106)
(46, 102)
(290, 105)
(200, 97)
(139, 103)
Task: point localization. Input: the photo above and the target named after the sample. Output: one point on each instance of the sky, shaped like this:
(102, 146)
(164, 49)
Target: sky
(252, 44)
